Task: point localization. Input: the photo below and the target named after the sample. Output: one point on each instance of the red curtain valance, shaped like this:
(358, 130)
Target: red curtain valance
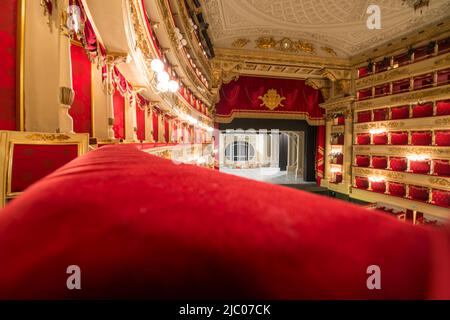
(241, 99)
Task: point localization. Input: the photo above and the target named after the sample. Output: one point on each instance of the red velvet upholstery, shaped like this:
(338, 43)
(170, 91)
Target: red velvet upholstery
(442, 138)
(397, 189)
(398, 164)
(420, 166)
(421, 138)
(380, 114)
(378, 186)
(399, 138)
(33, 162)
(443, 77)
(379, 162)
(422, 110)
(140, 122)
(380, 138)
(423, 81)
(442, 167)
(364, 116)
(400, 112)
(170, 231)
(441, 198)
(157, 236)
(361, 182)
(382, 90)
(363, 138)
(337, 177)
(443, 108)
(362, 161)
(418, 193)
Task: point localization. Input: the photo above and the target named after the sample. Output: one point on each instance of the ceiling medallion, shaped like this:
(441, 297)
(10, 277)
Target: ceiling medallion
(240, 43)
(271, 99)
(285, 44)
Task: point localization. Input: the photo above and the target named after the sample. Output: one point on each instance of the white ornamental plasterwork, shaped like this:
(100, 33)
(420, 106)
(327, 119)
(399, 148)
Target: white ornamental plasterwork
(339, 24)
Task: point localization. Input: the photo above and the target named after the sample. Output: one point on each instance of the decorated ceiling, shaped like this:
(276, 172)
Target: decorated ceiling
(313, 27)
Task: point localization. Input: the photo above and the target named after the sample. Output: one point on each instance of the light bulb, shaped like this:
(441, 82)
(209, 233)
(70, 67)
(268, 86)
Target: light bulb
(157, 65)
(173, 86)
(163, 86)
(163, 77)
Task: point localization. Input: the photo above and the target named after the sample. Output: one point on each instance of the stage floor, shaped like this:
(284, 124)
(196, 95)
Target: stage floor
(269, 175)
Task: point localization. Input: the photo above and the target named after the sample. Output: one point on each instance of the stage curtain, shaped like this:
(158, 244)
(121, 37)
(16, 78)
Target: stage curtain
(242, 96)
(8, 34)
(119, 116)
(155, 125)
(320, 153)
(81, 110)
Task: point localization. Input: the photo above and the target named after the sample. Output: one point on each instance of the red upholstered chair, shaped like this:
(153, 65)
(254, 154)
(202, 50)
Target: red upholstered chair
(397, 189)
(421, 138)
(363, 138)
(380, 138)
(379, 162)
(418, 193)
(442, 138)
(400, 112)
(422, 110)
(139, 228)
(362, 182)
(364, 116)
(378, 186)
(441, 198)
(31, 156)
(380, 114)
(442, 167)
(398, 164)
(399, 138)
(362, 161)
(443, 108)
(420, 166)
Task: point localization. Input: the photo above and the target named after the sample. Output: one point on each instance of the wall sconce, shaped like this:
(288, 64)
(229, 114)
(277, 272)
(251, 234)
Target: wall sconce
(418, 157)
(376, 179)
(377, 131)
(163, 82)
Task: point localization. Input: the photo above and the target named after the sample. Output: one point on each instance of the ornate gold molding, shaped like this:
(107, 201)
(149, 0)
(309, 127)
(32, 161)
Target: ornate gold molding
(271, 99)
(47, 137)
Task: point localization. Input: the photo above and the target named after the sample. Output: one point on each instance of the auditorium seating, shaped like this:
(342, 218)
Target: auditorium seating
(139, 226)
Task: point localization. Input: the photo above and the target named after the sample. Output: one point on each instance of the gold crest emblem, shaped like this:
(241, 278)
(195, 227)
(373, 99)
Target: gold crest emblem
(271, 99)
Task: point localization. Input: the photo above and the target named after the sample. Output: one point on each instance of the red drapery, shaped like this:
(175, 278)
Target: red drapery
(155, 125)
(140, 120)
(166, 129)
(119, 116)
(320, 153)
(8, 34)
(241, 99)
(81, 110)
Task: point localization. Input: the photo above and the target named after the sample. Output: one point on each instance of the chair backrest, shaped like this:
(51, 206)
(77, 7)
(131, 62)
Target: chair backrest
(26, 157)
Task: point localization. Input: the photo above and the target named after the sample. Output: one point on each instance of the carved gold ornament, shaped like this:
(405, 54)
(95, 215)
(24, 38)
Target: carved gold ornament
(240, 43)
(330, 51)
(47, 137)
(271, 99)
(285, 44)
